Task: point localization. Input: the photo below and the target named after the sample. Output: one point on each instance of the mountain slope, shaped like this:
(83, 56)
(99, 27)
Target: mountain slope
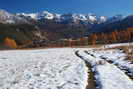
(119, 24)
(6, 17)
(21, 33)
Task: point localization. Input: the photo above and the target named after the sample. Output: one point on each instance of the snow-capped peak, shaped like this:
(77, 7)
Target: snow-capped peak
(6, 17)
(103, 19)
(92, 18)
(79, 17)
(32, 15)
(45, 15)
(40, 15)
(5, 13)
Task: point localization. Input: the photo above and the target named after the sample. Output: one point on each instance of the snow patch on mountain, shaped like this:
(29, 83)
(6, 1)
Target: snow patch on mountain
(6, 17)
(31, 15)
(103, 19)
(45, 15)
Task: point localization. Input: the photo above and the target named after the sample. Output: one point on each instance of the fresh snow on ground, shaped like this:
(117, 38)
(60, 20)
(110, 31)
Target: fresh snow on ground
(116, 56)
(42, 69)
(112, 78)
(108, 76)
(117, 45)
(61, 68)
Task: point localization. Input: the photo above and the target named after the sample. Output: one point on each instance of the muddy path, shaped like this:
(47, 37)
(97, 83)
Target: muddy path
(91, 78)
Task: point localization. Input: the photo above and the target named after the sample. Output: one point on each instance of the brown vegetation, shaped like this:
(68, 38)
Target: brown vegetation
(93, 39)
(10, 43)
(129, 51)
(116, 36)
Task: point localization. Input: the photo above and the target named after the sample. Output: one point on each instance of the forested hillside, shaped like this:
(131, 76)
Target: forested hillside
(22, 34)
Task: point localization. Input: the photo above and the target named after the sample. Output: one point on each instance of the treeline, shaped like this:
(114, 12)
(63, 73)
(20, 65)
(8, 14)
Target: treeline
(117, 36)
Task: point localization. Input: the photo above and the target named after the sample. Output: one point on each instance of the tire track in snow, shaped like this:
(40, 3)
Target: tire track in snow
(122, 68)
(107, 76)
(92, 82)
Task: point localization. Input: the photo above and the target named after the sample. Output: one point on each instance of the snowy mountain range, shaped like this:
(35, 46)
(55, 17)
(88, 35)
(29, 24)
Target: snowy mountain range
(6, 17)
(64, 17)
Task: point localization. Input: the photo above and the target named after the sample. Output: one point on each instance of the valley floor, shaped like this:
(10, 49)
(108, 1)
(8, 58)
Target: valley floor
(66, 68)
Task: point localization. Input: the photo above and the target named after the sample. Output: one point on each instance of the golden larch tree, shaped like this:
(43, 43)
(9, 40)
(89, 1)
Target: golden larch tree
(10, 42)
(94, 39)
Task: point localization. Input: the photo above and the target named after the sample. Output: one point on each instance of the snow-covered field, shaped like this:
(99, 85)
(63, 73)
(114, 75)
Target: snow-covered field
(42, 69)
(65, 68)
(108, 75)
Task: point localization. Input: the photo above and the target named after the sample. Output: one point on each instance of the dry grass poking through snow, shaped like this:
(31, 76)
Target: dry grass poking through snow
(129, 51)
(126, 49)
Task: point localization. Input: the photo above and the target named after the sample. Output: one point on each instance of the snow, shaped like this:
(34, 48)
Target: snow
(42, 69)
(79, 17)
(61, 68)
(113, 78)
(117, 57)
(103, 19)
(46, 15)
(61, 17)
(6, 17)
(107, 75)
(117, 45)
(32, 15)
(38, 16)
(92, 18)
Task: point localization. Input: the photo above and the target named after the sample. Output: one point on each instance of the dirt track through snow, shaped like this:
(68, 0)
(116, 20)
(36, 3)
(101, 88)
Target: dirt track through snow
(107, 75)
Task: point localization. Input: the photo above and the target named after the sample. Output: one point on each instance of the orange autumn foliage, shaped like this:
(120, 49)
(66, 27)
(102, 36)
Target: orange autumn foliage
(10, 43)
(113, 36)
(94, 39)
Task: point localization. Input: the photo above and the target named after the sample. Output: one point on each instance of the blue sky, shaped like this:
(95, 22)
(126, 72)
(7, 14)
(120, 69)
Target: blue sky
(99, 7)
